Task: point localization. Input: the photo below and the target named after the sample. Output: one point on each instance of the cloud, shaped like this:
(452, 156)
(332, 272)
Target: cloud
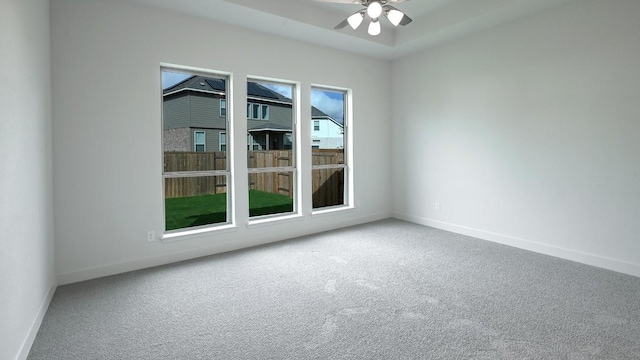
(170, 78)
(331, 103)
(284, 90)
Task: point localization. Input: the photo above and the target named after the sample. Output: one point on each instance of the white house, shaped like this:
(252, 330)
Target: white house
(326, 132)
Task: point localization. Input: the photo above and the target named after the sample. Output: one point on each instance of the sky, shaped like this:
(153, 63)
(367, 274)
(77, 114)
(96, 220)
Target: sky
(329, 102)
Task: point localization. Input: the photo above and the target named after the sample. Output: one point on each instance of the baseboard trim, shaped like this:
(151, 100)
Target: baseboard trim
(35, 325)
(217, 248)
(538, 247)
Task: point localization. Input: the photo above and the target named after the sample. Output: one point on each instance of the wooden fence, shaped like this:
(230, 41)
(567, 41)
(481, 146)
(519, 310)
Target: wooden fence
(328, 184)
(194, 161)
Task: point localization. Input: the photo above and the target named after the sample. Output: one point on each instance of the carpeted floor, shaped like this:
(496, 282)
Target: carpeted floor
(385, 290)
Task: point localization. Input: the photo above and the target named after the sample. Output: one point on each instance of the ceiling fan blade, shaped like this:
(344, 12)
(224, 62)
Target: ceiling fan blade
(405, 20)
(343, 24)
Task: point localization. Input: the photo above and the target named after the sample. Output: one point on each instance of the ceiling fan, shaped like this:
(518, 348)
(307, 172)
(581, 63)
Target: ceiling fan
(374, 9)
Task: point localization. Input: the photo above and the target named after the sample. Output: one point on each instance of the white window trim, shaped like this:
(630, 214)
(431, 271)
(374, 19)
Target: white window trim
(295, 150)
(230, 224)
(349, 199)
(223, 107)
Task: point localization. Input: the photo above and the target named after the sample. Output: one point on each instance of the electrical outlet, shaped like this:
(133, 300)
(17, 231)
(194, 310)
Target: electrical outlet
(437, 206)
(151, 236)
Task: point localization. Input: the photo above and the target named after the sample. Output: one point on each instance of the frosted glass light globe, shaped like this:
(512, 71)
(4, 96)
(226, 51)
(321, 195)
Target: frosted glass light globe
(374, 28)
(355, 20)
(374, 10)
(395, 16)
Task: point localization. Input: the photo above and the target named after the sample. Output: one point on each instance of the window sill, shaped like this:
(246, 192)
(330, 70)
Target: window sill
(195, 233)
(332, 210)
(274, 220)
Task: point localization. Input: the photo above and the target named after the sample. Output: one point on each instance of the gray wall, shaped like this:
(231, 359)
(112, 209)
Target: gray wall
(190, 109)
(27, 273)
(104, 232)
(212, 139)
(205, 112)
(176, 111)
(527, 134)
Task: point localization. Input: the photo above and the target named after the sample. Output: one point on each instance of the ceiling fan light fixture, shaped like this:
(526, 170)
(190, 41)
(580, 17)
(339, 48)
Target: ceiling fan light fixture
(374, 28)
(355, 20)
(374, 10)
(395, 16)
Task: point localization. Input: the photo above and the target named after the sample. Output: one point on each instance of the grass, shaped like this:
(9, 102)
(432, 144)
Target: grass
(212, 209)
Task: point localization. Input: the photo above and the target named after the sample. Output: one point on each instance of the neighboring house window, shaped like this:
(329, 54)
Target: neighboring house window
(331, 184)
(272, 170)
(223, 107)
(199, 141)
(253, 143)
(195, 184)
(223, 141)
(257, 111)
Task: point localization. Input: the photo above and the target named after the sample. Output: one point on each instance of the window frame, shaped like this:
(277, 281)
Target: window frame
(195, 140)
(295, 152)
(347, 166)
(257, 111)
(223, 134)
(176, 234)
(223, 107)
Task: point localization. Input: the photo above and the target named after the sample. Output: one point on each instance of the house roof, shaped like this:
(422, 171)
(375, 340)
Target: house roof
(199, 83)
(269, 126)
(256, 90)
(315, 112)
(202, 83)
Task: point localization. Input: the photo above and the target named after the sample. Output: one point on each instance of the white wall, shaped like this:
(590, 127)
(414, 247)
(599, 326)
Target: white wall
(27, 276)
(107, 130)
(528, 134)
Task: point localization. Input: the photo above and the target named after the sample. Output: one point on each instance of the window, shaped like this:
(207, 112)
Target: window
(195, 183)
(257, 111)
(270, 160)
(253, 142)
(199, 141)
(330, 176)
(223, 107)
(223, 141)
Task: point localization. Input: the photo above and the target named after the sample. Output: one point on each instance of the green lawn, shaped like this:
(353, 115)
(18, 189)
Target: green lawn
(211, 209)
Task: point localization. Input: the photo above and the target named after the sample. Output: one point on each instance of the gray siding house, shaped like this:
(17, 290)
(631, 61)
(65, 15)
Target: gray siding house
(194, 116)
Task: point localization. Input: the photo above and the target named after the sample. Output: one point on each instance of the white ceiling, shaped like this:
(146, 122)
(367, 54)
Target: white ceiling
(434, 21)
